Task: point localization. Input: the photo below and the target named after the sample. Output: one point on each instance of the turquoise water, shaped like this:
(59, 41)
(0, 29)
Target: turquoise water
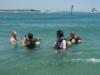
(83, 59)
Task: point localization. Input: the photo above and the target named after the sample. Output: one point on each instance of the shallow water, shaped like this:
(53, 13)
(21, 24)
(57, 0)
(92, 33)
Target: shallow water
(83, 59)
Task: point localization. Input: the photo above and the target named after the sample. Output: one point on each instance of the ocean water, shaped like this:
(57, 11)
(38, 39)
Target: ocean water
(83, 59)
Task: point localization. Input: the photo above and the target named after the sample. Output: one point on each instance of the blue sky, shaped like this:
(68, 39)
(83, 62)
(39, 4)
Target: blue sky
(79, 5)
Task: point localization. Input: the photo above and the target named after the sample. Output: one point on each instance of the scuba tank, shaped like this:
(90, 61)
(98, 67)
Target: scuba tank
(76, 40)
(37, 42)
(32, 43)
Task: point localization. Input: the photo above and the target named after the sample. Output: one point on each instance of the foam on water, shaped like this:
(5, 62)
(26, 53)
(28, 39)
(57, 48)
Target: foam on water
(88, 60)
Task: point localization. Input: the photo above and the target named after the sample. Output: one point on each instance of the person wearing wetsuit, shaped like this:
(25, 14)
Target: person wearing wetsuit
(29, 42)
(60, 42)
(74, 39)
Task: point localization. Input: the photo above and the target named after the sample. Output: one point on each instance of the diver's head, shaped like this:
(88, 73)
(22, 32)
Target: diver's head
(30, 36)
(60, 34)
(73, 34)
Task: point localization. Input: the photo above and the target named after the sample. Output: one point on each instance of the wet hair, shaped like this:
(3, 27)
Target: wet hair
(73, 34)
(30, 36)
(60, 33)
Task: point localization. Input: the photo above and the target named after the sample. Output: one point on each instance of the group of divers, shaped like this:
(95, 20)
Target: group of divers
(60, 44)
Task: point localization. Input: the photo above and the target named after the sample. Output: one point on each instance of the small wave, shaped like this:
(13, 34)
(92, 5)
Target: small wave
(46, 11)
(78, 53)
(15, 11)
(90, 60)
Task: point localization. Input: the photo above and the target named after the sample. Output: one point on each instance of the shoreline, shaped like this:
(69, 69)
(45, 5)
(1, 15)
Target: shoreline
(18, 10)
(33, 10)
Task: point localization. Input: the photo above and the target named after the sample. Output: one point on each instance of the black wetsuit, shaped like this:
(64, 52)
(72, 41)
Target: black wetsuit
(58, 43)
(31, 44)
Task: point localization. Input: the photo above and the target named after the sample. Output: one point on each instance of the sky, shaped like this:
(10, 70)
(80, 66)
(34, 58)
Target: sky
(58, 5)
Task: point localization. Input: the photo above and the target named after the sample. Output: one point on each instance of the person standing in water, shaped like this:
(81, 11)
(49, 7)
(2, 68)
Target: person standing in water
(74, 39)
(60, 43)
(13, 38)
(29, 41)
